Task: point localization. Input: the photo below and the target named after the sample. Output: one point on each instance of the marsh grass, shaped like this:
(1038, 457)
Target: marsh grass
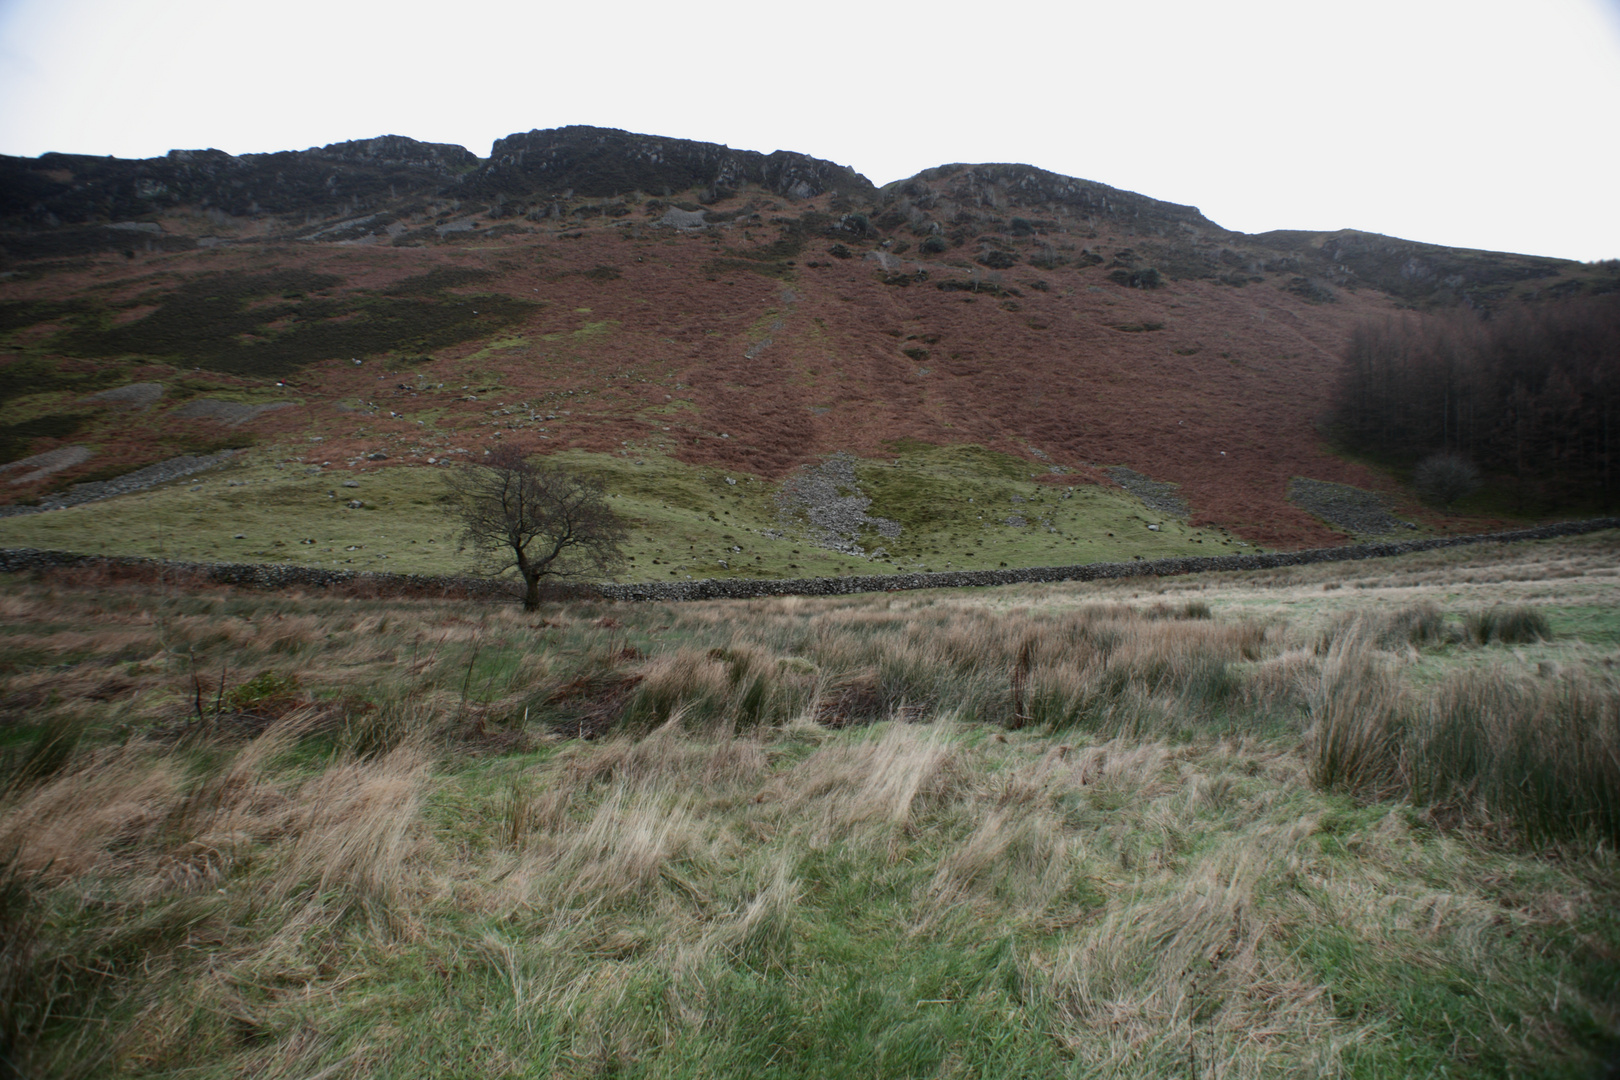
(1539, 756)
(1514, 625)
(1421, 626)
(1055, 831)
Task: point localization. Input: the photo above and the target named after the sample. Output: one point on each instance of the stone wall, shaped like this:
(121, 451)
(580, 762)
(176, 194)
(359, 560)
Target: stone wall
(270, 576)
(286, 576)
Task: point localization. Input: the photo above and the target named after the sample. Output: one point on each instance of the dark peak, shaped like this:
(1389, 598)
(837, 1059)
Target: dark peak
(992, 188)
(342, 178)
(1355, 242)
(400, 151)
(599, 162)
(173, 157)
(382, 152)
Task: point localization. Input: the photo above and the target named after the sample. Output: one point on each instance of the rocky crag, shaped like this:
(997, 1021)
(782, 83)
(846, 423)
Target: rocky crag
(73, 204)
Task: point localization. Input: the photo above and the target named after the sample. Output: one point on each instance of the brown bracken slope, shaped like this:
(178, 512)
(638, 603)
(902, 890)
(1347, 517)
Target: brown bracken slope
(754, 312)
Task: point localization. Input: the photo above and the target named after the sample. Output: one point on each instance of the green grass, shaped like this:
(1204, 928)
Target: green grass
(423, 874)
(952, 504)
(1597, 625)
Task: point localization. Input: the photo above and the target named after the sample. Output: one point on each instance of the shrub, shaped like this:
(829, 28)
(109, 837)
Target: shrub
(934, 245)
(1306, 289)
(1442, 479)
(857, 224)
(1516, 625)
(1149, 278)
(1419, 625)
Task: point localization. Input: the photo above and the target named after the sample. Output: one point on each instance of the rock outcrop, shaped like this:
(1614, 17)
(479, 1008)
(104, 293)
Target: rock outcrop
(949, 191)
(600, 162)
(60, 191)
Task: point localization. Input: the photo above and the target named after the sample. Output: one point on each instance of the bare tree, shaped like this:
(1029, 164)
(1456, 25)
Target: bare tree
(540, 520)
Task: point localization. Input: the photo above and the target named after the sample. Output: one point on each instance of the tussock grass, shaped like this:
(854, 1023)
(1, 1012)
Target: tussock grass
(1357, 727)
(1517, 625)
(1046, 831)
(1536, 755)
(1420, 625)
(1185, 979)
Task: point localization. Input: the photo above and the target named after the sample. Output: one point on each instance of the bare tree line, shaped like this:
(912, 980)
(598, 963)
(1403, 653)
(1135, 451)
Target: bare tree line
(1530, 392)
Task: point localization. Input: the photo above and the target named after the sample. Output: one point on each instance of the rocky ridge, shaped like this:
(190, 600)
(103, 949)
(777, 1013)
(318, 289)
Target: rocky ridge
(75, 204)
(599, 162)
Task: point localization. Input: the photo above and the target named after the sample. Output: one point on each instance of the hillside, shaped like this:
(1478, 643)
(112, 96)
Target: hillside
(986, 352)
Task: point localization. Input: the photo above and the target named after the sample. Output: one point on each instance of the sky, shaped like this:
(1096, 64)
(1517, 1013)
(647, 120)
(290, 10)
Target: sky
(1470, 123)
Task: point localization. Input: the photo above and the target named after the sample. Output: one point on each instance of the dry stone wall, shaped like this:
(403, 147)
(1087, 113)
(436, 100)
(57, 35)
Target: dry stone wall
(287, 576)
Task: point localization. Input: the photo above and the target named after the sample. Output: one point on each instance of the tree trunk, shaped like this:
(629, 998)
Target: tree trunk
(531, 590)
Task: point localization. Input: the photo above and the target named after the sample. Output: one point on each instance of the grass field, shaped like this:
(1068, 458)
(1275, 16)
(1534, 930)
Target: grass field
(953, 505)
(1325, 821)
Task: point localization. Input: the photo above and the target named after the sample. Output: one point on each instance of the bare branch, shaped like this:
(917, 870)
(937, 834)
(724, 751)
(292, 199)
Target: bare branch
(542, 521)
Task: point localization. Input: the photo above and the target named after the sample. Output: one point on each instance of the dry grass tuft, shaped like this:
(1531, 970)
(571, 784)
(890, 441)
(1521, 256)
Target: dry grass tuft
(874, 780)
(1193, 979)
(760, 936)
(620, 852)
(350, 830)
(1119, 766)
(75, 823)
(1016, 856)
(666, 757)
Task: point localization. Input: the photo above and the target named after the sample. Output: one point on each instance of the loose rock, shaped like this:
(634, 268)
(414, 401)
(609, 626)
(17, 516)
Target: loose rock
(1357, 512)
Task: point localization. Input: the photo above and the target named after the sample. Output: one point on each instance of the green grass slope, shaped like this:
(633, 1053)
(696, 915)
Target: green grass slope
(953, 506)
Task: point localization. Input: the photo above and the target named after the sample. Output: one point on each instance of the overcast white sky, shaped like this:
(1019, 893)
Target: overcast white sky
(1475, 123)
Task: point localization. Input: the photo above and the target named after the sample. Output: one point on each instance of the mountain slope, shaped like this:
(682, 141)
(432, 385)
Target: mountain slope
(657, 300)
